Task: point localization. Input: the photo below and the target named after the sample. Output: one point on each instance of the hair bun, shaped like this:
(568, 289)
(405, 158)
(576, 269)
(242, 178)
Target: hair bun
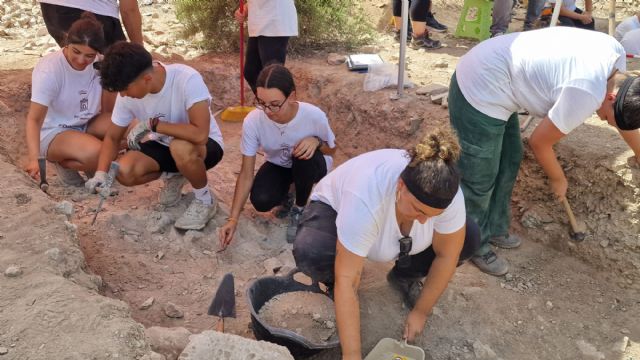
(439, 143)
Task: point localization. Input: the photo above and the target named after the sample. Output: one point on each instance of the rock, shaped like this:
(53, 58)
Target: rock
(13, 271)
(508, 277)
(169, 342)
(589, 351)
(3, 350)
(535, 218)
(272, 265)
(71, 227)
(146, 2)
(482, 351)
(604, 243)
(147, 304)
(215, 345)
(432, 89)
(414, 125)
(441, 64)
(158, 221)
(193, 235)
(153, 356)
(620, 346)
(42, 31)
(336, 59)
(172, 311)
(549, 305)
(55, 254)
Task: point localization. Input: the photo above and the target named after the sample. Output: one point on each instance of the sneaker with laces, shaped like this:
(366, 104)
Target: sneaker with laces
(506, 241)
(425, 42)
(491, 264)
(434, 24)
(284, 209)
(68, 176)
(197, 215)
(294, 219)
(409, 288)
(396, 35)
(172, 190)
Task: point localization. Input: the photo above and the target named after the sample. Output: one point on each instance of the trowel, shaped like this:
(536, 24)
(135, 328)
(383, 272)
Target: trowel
(42, 165)
(391, 349)
(224, 301)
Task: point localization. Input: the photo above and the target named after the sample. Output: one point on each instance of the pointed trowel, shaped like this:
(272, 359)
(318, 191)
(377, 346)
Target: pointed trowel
(224, 301)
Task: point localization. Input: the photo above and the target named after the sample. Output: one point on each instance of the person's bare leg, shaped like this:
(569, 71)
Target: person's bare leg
(419, 28)
(189, 159)
(137, 168)
(75, 150)
(98, 126)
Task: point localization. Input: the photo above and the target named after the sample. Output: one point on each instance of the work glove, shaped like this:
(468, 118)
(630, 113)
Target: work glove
(96, 181)
(138, 132)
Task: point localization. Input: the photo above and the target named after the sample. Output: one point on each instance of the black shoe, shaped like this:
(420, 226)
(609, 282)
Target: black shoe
(425, 42)
(491, 264)
(396, 35)
(285, 206)
(410, 289)
(434, 24)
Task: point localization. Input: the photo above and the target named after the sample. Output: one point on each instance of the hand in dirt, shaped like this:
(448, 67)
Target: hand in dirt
(32, 168)
(240, 16)
(97, 180)
(306, 147)
(559, 187)
(414, 325)
(225, 233)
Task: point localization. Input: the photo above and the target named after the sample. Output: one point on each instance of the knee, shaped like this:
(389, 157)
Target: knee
(126, 174)
(183, 152)
(261, 201)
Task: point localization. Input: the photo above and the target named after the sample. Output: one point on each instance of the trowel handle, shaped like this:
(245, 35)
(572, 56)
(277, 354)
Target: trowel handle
(572, 219)
(111, 175)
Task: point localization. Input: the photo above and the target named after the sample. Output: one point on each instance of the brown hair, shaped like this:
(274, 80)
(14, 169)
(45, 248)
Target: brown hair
(276, 76)
(86, 31)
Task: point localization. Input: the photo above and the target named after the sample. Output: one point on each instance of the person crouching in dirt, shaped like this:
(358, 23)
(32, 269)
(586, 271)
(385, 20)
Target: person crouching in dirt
(69, 111)
(552, 74)
(183, 140)
(388, 205)
(298, 144)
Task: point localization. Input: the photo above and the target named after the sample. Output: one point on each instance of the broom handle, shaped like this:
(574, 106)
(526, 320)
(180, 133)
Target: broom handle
(242, 56)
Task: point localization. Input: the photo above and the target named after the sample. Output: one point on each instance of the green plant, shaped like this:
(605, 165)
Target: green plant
(321, 23)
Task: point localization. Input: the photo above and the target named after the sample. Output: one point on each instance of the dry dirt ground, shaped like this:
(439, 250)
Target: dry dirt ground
(561, 300)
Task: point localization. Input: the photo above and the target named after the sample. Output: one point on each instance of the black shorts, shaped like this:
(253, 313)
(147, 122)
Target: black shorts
(162, 155)
(58, 20)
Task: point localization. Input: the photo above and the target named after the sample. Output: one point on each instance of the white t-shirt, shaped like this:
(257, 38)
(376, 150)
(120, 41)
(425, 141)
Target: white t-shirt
(278, 140)
(568, 4)
(182, 88)
(561, 72)
(72, 97)
(100, 7)
(628, 24)
(363, 193)
(631, 42)
(272, 18)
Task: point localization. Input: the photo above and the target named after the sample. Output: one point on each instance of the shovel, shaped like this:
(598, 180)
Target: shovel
(224, 301)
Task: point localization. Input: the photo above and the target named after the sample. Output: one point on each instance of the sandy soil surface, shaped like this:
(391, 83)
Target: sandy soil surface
(560, 301)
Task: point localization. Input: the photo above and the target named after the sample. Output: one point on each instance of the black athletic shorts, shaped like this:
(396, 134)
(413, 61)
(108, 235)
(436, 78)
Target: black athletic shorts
(58, 20)
(162, 155)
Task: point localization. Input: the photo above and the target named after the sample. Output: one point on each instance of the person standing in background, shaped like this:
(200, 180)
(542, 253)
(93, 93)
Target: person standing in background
(271, 23)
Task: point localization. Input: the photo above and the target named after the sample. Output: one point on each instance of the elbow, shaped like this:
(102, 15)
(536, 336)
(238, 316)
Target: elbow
(202, 139)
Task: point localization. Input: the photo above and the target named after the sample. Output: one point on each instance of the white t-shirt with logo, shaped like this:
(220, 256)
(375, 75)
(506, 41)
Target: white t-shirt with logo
(628, 24)
(560, 72)
(568, 4)
(278, 140)
(72, 97)
(100, 7)
(363, 193)
(183, 87)
(631, 42)
(272, 18)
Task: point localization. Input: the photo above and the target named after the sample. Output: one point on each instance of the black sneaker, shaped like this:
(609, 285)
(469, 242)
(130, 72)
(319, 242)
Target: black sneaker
(491, 264)
(294, 218)
(425, 42)
(396, 35)
(434, 24)
(410, 289)
(285, 206)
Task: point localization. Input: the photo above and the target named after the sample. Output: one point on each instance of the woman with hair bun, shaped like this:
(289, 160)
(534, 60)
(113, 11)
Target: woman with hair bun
(69, 111)
(388, 205)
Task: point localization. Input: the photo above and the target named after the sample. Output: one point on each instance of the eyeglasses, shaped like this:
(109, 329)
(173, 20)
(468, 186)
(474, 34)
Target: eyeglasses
(272, 108)
(404, 260)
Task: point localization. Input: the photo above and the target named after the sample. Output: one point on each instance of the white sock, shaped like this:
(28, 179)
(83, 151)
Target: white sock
(168, 175)
(203, 195)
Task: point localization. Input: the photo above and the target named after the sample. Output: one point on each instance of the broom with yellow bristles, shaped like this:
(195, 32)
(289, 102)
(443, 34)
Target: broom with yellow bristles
(238, 113)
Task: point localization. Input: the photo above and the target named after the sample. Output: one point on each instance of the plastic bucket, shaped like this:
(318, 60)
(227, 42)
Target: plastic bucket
(264, 289)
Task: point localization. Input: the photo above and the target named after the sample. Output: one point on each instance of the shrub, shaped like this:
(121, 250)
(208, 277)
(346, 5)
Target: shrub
(321, 23)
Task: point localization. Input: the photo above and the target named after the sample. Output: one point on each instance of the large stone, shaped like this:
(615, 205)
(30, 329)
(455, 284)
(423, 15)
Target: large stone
(172, 311)
(432, 89)
(65, 207)
(168, 342)
(215, 345)
(13, 271)
(482, 351)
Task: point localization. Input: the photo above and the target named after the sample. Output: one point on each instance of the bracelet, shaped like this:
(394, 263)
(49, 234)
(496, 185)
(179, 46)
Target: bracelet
(232, 219)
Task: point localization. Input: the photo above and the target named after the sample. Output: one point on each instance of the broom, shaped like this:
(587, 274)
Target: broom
(238, 113)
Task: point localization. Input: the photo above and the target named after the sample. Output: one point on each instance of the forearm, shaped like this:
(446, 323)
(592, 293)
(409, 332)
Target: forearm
(32, 130)
(588, 6)
(348, 319)
(326, 150)
(547, 159)
(132, 21)
(569, 13)
(187, 132)
(241, 193)
(440, 273)
(632, 138)
(108, 152)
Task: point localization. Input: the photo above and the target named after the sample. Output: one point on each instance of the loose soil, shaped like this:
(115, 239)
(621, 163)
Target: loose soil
(562, 300)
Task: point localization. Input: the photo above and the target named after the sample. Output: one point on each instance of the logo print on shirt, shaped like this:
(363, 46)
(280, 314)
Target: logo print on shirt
(84, 101)
(285, 155)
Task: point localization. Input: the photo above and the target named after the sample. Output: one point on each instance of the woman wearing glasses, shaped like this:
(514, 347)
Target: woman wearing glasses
(297, 142)
(388, 205)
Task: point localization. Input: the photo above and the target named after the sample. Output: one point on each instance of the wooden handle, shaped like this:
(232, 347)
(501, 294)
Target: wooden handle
(220, 325)
(572, 219)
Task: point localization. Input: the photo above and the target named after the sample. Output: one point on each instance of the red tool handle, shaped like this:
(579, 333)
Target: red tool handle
(631, 56)
(242, 56)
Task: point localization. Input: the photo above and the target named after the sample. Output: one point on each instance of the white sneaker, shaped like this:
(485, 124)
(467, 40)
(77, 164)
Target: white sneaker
(172, 190)
(197, 215)
(68, 176)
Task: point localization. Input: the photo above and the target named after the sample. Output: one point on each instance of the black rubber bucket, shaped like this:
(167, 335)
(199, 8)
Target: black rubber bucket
(264, 289)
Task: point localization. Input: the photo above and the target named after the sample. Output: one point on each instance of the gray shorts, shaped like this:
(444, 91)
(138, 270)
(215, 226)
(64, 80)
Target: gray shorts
(46, 141)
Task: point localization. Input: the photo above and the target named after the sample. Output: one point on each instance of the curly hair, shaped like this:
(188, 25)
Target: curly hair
(123, 63)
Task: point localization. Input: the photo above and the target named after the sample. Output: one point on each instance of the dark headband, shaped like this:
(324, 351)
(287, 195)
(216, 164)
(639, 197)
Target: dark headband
(423, 196)
(618, 106)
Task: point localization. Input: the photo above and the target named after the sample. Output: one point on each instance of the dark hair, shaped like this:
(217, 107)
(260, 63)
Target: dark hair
(276, 76)
(123, 63)
(86, 31)
(432, 175)
(628, 117)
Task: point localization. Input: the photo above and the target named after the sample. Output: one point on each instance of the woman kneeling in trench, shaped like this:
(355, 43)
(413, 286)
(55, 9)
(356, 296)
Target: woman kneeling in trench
(69, 112)
(297, 142)
(388, 205)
